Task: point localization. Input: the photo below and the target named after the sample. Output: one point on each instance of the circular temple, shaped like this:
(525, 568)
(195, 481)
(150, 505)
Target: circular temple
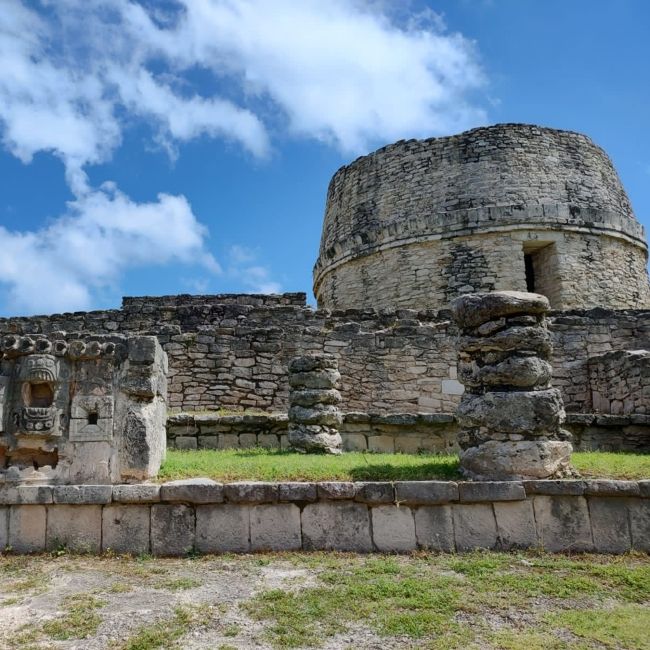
(507, 207)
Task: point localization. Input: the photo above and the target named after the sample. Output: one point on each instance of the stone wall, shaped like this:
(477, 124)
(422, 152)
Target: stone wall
(199, 515)
(234, 355)
(421, 221)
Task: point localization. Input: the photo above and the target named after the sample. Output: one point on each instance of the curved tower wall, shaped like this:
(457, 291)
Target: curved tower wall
(508, 207)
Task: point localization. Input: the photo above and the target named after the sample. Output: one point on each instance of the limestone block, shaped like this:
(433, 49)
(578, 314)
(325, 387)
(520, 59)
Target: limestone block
(27, 528)
(172, 529)
(4, 528)
(223, 529)
(526, 412)
(275, 527)
(313, 397)
(75, 527)
(393, 529)
(516, 524)
(186, 442)
(268, 441)
(326, 414)
(298, 492)
(82, 494)
(125, 529)
(610, 524)
(312, 362)
(516, 460)
(474, 526)
(518, 372)
(139, 493)
(337, 490)
(251, 492)
(563, 523)
(247, 440)
(375, 492)
(354, 442)
(452, 387)
(640, 523)
(434, 528)
(208, 442)
(192, 490)
(491, 491)
(318, 379)
(381, 444)
(340, 526)
(426, 492)
(471, 310)
(532, 340)
(229, 441)
(560, 487)
(26, 494)
(314, 438)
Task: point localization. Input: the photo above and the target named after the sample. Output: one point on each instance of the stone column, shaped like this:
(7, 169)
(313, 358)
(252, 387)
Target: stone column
(510, 417)
(314, 416)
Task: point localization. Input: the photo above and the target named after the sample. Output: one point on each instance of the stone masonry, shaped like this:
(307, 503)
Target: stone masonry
(510, 416)
(314, 415)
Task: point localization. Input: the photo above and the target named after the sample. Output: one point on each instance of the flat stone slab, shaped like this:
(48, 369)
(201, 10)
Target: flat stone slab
(342, 526)
(192, 490)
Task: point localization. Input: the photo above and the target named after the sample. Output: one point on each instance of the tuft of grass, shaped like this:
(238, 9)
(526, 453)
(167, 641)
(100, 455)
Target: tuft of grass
(178, 584)
(165, 633)
(277, 465)
(80, 621)
(620, 627)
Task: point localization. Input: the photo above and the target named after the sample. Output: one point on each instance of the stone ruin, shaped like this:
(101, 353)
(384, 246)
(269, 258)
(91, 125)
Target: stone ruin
(81, 410)
(510, 416)
(314, 415)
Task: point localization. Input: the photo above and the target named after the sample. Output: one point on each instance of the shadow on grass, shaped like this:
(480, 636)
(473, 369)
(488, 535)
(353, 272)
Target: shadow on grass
(443, 470)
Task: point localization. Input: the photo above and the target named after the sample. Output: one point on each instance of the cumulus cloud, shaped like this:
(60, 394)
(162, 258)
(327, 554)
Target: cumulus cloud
(244, 269)
(75, 74)
(103, 232)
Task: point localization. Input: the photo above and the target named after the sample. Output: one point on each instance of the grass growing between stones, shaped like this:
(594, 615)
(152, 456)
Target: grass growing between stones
(481, 600)
(274, 465)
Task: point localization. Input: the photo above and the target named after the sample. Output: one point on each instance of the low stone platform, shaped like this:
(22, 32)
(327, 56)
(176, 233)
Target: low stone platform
(200, 515)
(398, 432)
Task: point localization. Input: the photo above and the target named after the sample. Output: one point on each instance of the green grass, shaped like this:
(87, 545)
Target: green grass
(500, 601)
(166, 632)
(273, 465)
(80, 620)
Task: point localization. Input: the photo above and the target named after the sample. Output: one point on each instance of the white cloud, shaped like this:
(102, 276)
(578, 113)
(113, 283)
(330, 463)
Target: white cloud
(102, 233)
(74, 74)
(244, 269)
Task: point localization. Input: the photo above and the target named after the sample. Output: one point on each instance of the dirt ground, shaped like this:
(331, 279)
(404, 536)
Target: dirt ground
(256, 601)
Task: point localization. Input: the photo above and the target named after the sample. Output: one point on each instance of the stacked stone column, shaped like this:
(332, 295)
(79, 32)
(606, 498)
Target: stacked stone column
(510, 416)
(314, 415)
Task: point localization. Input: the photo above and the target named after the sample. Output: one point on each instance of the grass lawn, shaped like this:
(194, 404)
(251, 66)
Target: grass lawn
(271, 465)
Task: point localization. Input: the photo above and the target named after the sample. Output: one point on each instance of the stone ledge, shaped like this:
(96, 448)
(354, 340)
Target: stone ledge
(491, 491)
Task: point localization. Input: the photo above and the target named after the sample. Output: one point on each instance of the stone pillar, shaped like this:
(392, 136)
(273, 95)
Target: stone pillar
(510, 416)
(314, 416)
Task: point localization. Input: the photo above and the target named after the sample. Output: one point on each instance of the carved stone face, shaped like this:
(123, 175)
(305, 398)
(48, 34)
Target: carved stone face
(38, 374)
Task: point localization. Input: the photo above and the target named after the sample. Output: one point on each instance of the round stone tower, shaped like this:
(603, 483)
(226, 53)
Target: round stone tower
(507, 207)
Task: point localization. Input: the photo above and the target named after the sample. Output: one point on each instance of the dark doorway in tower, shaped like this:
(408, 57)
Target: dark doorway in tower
(541, 269)
(530, 272)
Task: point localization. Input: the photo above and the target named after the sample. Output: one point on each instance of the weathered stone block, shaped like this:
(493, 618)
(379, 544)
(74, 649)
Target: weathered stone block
(186, 442)
(425, 492)
(82, 494)
(474, 526)
(434, 528)
(75, 527)
(172, 529)
(381, 444)
(4, 528)
(251, 492)
(354, 442)
(375, 493)
(393, 529)
(268, 441)
(125, 529)
(337, 490)
(563, 523)
(555, 487)
(223, 528)
(472, 310)
(640, 523)
(298, 492)
(516, 524)
(139, 493)
(208, 442)
(275, 527)
(26, 495)
(491, 491)
(340, 526)
(27, 528)
(610, 524)
(192, 490)
(609, 488)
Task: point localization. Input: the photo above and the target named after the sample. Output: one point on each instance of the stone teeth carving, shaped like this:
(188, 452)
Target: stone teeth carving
(509, 415)
(38, 368)
(314, 416)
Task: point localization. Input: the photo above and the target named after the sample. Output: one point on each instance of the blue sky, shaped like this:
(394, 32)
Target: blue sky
(185, 146)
